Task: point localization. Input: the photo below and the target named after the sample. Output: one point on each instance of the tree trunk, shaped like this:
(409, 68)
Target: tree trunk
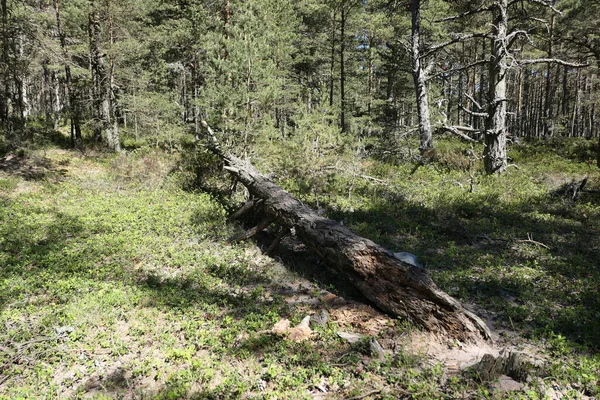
(47, 97)
(21, 80)
(74, 109)
(494, 155)
(598, 76)
(418, 74)
(370, 83)
(396, 287)
(112, 92)
(482, 99)
(102, 90)
(565, 96)
(343, 68)
(548, 89)
(5, 106)
(332, 61)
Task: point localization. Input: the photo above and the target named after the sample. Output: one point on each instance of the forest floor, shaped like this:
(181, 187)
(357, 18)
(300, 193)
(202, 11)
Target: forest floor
(115, 282)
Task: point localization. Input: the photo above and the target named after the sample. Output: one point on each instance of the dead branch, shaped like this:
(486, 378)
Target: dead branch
(438, 47)
(253, 231)
(542, 3)
(473, 113)
(362, 396)
(551, 61)
(465, 14)
(367, 177)
(244, 209)
(283, 231)
(531, 241)
(468, 96)
(456, 130)
(458, 69)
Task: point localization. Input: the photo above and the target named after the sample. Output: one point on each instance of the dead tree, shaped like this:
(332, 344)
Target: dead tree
(396, 287)
(500, 60)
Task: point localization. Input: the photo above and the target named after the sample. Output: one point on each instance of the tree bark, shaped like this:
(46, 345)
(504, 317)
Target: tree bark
(394, 286)
(74, 108)
(5, 99)
(418, 74)
(112, 92)
(494, 155)
(344, 16)
(332, 60)
(102, 89)
(548, 100)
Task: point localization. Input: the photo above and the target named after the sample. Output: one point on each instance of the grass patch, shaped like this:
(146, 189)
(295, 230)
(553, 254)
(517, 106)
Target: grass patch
(116, 282)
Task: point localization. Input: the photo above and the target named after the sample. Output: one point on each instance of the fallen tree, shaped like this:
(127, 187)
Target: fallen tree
(394, 286)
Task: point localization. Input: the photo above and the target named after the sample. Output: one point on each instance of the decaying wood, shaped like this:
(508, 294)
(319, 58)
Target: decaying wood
(253, 231)
(244, 209)
(573, 189)
(394, 286)
(283, 231)
(511, 363)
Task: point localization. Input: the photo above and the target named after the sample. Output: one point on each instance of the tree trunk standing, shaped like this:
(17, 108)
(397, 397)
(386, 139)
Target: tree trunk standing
(426, 141)
(56, 99)
(565, 95)
(47, 95)
(332, 61)
(114, 110)
(50, 100)
(494, 154)
(21, 81)
(195, 98)
(584, 107)
(6, 95)
(548, 92)
(371, 73)
(394, 286)
(113, 90)
(342, 68)
(102, 90)
(74, 109)
(462, 77)
(96, 95)
(526, 111)
(480, 123)
(539, 110)
(574, 131)
(519, 109)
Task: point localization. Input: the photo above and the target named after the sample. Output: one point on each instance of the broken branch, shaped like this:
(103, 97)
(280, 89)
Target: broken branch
(253, 231)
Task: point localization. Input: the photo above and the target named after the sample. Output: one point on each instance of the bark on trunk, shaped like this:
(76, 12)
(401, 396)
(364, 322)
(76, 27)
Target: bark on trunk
(495, 160)
(418, 74)
(102, 90)
(343, 126)
(5, 106)
(394, 286)
(74, 109)
(332, 60)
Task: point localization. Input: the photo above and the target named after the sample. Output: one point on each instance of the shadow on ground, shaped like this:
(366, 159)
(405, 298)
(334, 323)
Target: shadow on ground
(534, 263)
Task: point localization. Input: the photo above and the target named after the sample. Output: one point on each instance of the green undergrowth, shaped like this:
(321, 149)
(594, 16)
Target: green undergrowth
(115, 282)
(520, 247)
(518, 243)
